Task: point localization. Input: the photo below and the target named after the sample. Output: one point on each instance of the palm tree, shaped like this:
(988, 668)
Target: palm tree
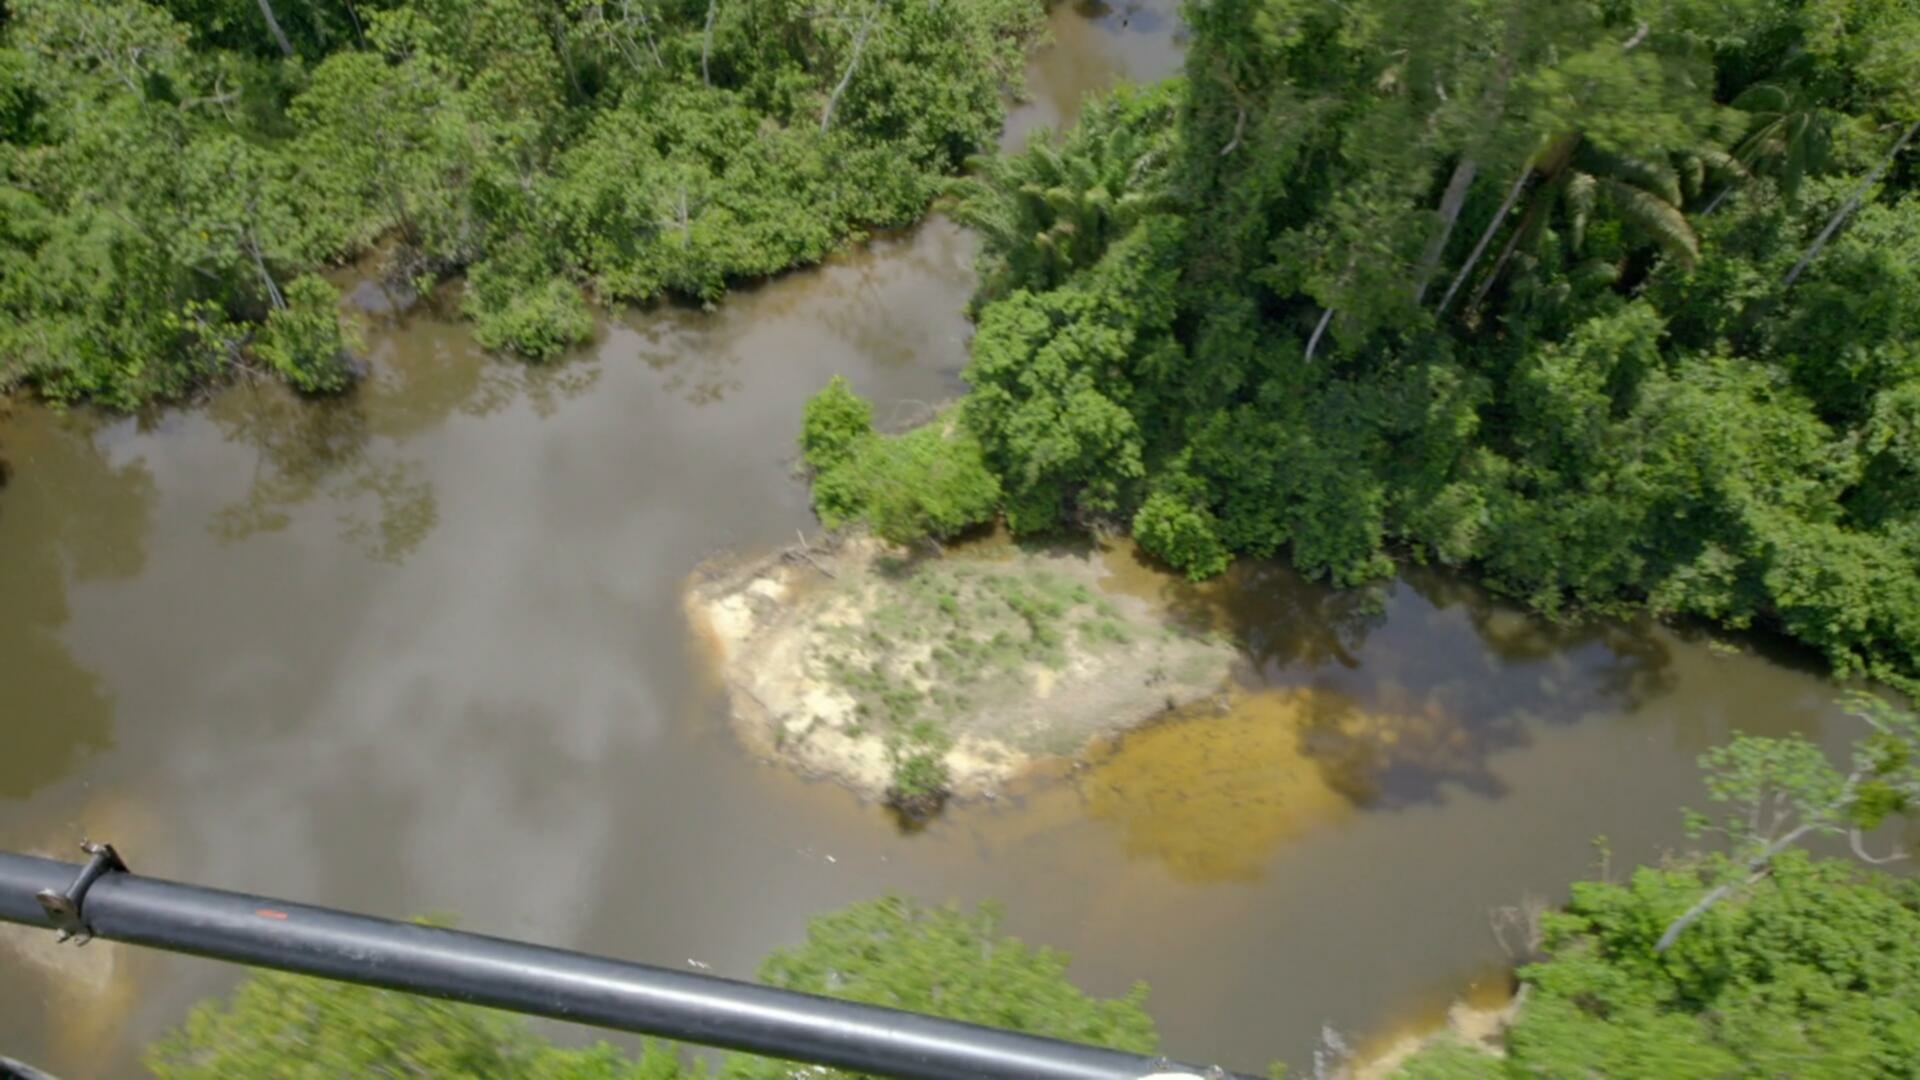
(1579, 180)
(1789, 136)
(1050, 210)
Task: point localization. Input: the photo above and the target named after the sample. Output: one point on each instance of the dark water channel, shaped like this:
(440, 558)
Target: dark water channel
(422, 650)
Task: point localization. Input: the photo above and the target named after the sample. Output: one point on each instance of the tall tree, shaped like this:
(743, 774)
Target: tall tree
(273, 27)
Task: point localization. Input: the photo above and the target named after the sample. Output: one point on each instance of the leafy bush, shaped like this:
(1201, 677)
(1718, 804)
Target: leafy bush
(920, 783)
(305, 341)
(1811, 974)
(539, 320)
(1762, 961)
(1183, 536)
(930, 483)
(289, 1027)
(949, 962)
(555, 147)
(943, 961)
(836, 420)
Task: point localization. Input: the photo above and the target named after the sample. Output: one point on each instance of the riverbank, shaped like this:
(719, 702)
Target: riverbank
(854, 660)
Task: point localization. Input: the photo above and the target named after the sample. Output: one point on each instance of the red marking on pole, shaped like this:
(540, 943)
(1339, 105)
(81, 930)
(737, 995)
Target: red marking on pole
(269, 913)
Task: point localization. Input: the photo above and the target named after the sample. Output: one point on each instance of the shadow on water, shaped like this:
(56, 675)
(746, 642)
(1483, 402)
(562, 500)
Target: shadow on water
(1418, 684)
(67, 516)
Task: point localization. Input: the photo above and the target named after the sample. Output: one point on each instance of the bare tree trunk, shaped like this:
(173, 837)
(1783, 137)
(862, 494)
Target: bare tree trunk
(646, 27)
(1506, 255)
(1691, 916)
(1239, 128)
(273, 27)
(1847, 208)
(359, 34)
(1720, 197)
(259, 264)
(1313, 343)
(1756, 869)
(1486, 237)
(1451, 202)
(706, 42)
(859, 43)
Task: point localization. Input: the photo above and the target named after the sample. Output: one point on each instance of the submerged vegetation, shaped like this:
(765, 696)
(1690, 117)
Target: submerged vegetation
(1613, 304)
(171, 170)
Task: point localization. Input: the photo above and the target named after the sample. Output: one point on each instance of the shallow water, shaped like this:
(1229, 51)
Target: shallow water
(422, 650)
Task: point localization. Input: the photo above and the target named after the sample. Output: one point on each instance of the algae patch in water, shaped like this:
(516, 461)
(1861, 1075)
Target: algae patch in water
(844, 663)
(1212, 794)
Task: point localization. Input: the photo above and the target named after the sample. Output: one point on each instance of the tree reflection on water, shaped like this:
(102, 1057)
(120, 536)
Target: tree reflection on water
(67, 516)
(347, 452)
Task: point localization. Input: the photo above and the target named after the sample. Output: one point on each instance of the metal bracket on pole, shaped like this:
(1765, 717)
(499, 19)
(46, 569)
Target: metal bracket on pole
(65, 910)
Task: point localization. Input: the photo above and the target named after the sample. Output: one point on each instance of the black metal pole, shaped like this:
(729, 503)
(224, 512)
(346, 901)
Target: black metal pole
(554, 983)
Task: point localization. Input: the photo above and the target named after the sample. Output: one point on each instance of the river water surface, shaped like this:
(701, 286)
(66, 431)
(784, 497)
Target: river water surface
(422, 650)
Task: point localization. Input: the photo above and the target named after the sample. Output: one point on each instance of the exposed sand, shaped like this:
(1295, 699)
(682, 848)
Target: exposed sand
(1480, 1025)
(834, 661)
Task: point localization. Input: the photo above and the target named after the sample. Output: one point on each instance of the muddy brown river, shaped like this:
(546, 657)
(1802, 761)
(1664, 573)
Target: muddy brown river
(422, 650)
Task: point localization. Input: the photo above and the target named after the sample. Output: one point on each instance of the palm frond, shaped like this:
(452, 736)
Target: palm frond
(1764, 98)
(1721, 164)
(1693, 175)
(1657, 177)
(1581, 194)
(1660, 219)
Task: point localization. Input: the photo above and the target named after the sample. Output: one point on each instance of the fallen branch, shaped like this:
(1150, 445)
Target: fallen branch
(805, 551)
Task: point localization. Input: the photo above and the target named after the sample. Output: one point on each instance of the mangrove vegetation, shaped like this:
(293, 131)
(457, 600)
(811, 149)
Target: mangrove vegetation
(176, 175)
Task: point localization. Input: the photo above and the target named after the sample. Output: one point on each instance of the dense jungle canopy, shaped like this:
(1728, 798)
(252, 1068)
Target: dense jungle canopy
(173, 174)
(1615, 304)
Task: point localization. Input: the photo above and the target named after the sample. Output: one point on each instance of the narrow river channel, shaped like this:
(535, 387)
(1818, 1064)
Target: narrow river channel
(422, 650)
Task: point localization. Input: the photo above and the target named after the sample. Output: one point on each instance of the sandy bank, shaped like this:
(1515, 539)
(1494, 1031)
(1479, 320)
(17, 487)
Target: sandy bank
(847, 661)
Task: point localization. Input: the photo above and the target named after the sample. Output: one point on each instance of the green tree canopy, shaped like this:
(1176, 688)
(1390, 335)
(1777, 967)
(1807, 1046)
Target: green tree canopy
(943, 961)
(1608, 303)
(167, 169)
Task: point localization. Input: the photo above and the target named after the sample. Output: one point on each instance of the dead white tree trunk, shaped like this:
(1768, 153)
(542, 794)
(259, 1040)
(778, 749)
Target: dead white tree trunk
(1451, 202)
(1239, 128)
(1313, 343)
(1756, 868)
(1486, 237)
(646, 27)
(1847, 208)
(273, 27)
(859, 44)
(274, 295)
